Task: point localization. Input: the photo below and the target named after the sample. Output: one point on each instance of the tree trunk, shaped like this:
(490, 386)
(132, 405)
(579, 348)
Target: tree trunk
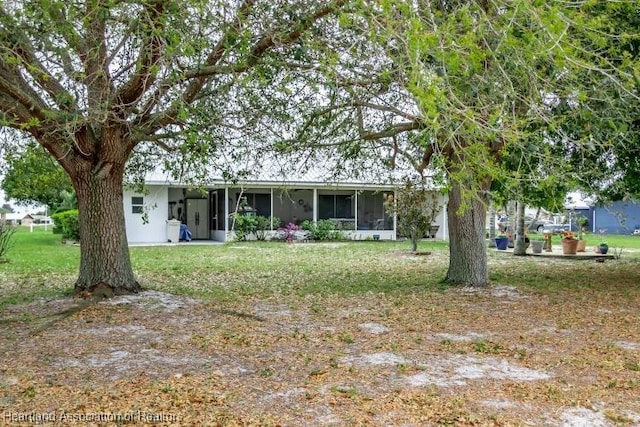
(104, 252)
(414, 241)
(467, 247)
(519, 247)
(511, 227)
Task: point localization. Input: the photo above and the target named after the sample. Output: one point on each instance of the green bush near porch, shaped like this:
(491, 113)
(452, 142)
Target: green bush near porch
(323, 229)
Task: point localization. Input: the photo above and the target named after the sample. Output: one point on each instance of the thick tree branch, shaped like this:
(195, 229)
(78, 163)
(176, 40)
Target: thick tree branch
(148, 57)
(426, 159)
(13, 86)
(13, 41)
(93, 54)
(392, 130)
(14, 113)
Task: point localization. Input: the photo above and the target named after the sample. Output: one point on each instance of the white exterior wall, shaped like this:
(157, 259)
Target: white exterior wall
(441, 218)
(155, 206)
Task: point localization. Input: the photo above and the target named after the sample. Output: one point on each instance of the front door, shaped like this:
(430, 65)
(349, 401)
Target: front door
(197, 218)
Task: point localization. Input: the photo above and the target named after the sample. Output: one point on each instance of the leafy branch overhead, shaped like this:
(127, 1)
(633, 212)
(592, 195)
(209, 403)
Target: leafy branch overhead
(451, 86)
(77, 73)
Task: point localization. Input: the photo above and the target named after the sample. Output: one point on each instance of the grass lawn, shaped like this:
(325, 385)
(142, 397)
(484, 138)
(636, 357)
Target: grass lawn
(345, 333)
(39, 265)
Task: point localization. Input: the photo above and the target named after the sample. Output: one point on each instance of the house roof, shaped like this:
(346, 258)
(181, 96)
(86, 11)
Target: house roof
(40, 217)
(14, 216)
(299, 174)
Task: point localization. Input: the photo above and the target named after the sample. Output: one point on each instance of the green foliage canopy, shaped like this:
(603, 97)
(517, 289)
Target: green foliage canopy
(33, 176)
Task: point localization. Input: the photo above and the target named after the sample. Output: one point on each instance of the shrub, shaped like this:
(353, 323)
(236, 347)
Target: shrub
(263, 224)
(323, 229)
(245, 225)
(6, 238)
(68, 223)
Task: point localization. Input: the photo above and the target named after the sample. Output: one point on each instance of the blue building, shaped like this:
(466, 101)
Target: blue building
(621, 217)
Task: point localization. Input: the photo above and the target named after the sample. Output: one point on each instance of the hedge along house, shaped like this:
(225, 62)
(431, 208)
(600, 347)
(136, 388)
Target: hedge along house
(357, 208)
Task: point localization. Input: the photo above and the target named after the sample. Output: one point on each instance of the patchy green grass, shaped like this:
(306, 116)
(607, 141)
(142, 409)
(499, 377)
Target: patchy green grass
(268, 268)
(41, 266)
(625, 242)
(41, 252)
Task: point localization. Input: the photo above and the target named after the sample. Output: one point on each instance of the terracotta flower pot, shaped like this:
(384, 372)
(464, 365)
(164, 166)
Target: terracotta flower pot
(569, 247)
(582, 245)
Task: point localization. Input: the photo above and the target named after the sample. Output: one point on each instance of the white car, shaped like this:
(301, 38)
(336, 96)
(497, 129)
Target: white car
(533, 225)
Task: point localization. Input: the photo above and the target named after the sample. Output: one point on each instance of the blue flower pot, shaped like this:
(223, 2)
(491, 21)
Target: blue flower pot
(502, 243)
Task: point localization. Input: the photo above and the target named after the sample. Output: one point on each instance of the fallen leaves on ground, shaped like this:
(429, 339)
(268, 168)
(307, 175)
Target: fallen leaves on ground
(495, 356)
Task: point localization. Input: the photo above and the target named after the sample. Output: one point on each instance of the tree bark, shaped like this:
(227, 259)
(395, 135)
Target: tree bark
(414, 241)
(519, 247)
(467, 247)
(104, 252)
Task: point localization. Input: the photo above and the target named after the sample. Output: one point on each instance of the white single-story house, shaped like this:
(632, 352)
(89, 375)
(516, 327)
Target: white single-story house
(17, 218)
(10, 218)
(357, 208)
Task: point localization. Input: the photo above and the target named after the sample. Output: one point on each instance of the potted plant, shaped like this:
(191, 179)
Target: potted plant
(582, 243)
(602, 247)
(502, 241)
(536, 245)
(569, 243)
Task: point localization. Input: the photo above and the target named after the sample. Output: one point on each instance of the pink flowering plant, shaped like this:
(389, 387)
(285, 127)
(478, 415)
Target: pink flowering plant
(288, 232)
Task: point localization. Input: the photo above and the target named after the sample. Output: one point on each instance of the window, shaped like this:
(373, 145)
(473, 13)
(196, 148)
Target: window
(335, 206)
(371, 212)
(137, 204)
(261, 202)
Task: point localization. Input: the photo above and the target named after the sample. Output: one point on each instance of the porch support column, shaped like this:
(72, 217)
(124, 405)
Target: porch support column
(226, 213)
(395, 218)
(355, 214)
(315, 205)
(445, 215)
(271, 201)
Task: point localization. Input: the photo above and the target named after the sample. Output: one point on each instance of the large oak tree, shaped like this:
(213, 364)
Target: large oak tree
(450, 87)
(97, 82)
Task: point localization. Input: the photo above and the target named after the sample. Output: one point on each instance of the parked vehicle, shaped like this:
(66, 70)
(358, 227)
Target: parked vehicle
(559, 228)
(531, 224)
